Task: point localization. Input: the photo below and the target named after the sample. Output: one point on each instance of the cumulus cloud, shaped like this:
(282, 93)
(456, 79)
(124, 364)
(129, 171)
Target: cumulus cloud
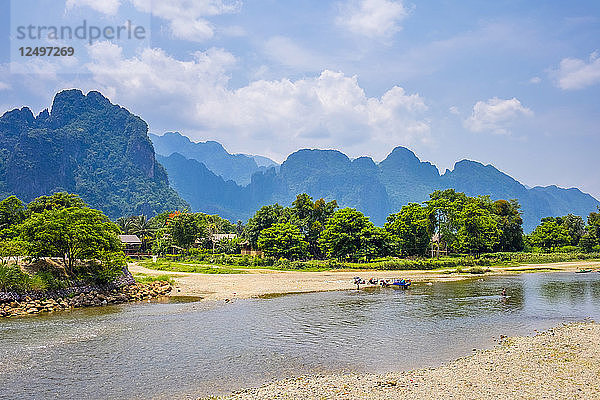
(574, 73)
(187, 18)
(496, 115)
(272, 117)
(372, 18)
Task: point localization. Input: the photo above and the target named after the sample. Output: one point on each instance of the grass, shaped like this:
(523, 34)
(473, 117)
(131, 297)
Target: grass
(189, 267)
(143, 278)
(235, 264)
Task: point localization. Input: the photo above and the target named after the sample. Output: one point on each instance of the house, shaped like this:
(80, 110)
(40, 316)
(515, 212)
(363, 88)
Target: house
(131, 244)
(246, 249)
(438, 246)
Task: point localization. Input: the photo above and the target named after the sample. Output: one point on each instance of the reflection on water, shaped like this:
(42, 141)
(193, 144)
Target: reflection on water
(180, 350)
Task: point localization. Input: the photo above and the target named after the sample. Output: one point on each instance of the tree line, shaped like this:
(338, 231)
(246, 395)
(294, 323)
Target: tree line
(62, 225)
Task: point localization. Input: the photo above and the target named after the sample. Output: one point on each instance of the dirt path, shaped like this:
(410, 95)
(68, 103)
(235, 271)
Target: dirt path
(259, 282)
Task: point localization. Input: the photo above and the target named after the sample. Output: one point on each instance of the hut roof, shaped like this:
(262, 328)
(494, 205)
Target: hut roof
(130, 239)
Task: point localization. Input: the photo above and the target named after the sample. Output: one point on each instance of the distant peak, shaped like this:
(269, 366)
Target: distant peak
(401, 155)
(18, 114)
(470, 164)
(68, 96)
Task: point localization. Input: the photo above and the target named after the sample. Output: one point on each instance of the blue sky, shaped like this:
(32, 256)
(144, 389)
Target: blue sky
(511, 83)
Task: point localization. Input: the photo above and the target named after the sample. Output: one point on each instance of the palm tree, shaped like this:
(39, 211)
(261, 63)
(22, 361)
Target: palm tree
(140, 225)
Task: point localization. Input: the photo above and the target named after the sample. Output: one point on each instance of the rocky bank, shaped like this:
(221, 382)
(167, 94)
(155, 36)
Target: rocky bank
(128, 293)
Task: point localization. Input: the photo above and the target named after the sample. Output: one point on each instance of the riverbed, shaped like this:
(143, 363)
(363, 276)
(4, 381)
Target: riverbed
(195, 349)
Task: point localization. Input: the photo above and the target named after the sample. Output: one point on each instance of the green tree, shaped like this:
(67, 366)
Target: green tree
(141, 226)
(264, 218)
(310, 217)
(54, 201)
(478, 232)
(185, 228)
(411, 228)
(343, 234)
(374, 242)
(444, 211)
(283, 240)
(549, 235)
(12, 213)
(74, 234)
(590, 241)
(510, 223)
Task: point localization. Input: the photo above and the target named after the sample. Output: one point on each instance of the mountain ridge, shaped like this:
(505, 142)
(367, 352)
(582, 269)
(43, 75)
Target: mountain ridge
(84, 145)
(379, 189)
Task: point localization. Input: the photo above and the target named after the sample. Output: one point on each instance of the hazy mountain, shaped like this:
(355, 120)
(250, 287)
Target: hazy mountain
(375, 189)
(101, 151)
(88, 146)
(237, 167)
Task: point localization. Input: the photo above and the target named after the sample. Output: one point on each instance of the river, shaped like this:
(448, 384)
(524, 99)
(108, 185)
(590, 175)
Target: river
(194, 349)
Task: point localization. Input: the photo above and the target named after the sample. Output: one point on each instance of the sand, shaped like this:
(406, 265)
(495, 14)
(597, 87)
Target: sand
(260, 282)
(562, 363)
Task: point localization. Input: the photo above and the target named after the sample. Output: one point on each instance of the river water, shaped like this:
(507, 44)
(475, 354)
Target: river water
(188, 350)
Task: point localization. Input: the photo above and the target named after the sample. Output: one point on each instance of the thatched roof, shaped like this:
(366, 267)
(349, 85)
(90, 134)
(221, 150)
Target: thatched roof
(130, 239)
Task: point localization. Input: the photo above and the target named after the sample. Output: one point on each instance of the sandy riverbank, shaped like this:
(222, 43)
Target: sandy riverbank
(562, 363)
(260, 282)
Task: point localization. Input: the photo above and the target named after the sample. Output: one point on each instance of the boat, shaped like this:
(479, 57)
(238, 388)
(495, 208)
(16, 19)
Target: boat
(583, 271)
(401, 283)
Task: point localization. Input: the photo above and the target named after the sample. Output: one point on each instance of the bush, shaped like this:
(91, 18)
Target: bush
(12, 278)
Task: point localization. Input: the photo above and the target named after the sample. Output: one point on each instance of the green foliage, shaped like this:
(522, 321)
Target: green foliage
(310, 217)
(550, 235)
(143, 278)
(283, 241)
(264, 218)
(349, 234)
(12, 213)
(54, 202)
(12, 278)
(140, 226)
(478, 232)
(510, 223)
(188, 267)
(185, 228)
(74, 234)
(411, 228)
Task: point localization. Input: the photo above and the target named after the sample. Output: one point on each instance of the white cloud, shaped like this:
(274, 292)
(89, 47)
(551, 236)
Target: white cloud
(372, 18)
(454, 110)
(187, 18)
(574, 73)
(271, 117)
(108, 7)
(535, 80)
(496, 115)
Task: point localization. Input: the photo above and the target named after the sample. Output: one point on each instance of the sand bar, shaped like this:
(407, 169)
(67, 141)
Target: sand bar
(260, 282)
(562, 363)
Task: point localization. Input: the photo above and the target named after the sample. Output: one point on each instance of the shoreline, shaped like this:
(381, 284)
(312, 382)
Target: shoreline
(263, 282)
(560, 363)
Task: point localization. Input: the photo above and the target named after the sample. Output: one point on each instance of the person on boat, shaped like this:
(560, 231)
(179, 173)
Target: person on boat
(503, 292)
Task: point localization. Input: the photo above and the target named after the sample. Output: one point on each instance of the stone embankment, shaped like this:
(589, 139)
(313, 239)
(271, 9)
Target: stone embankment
(128, 293)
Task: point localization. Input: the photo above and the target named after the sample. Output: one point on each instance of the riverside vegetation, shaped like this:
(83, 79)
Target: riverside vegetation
(314, 235)
(57, 241)
(58, 253)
